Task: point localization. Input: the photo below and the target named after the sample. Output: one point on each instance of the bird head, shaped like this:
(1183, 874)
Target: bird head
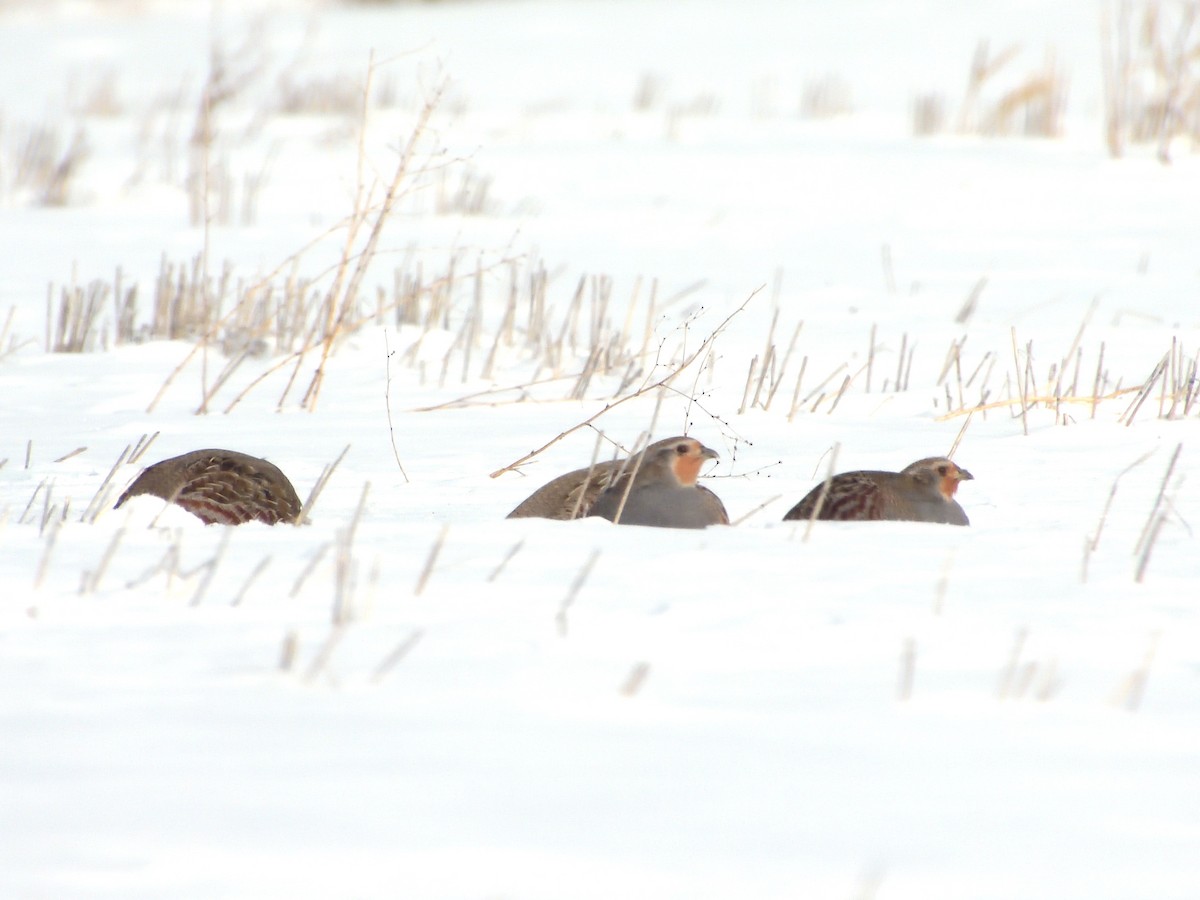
(938, 473)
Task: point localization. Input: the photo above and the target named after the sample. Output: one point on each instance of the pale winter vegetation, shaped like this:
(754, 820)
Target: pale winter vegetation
(426, 256)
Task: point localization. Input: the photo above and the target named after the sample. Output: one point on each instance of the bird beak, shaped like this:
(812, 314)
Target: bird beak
(964, 475)
(708, 453)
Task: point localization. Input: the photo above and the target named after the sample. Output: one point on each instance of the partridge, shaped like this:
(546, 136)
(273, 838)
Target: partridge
(922, 492)
(661, 489)
(569, 496)
(220, 487)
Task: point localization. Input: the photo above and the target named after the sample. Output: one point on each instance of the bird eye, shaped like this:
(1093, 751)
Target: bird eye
(943, 471)
(681, 449)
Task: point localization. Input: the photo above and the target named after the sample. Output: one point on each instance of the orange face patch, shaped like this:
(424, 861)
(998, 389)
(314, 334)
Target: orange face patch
(950, 483)
(687, 468)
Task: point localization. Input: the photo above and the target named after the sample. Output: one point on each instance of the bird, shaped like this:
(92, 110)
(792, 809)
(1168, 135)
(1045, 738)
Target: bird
(221, 487)
(921, 492)
(660, 489)
(568, 496)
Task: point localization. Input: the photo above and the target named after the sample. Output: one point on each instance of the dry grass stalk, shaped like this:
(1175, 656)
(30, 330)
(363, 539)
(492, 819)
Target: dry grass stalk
(1150, 74)
(778, 380)
(512, 551)
(1132, 689)
(1159, 371)
(319, 485)
(1008, 675)
(635, 679)
(968, 308)
(1156, 511)
(43, 484)
(288, 651)
(889, 269)
(209, 567)
(1021, 386)
(580, 578)
(756, 510)
(943, 584)
(387, 403)
(344, 569)
(1093, 542)
(958, 438)
(830, 471)
(842, 390)
(101, 495)
(347, 279)
(250, 579)
(749, 381)
(91, 580)
(47, 551)
(430, 561)
(696, 354)
(308, 569)
(397, 655)
(325, 652)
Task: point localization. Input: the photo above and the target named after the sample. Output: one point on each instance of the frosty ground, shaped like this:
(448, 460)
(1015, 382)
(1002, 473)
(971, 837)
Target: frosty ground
(412, 696)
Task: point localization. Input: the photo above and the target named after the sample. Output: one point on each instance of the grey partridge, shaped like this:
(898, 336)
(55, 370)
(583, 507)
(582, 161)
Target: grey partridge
(221, 487)
(661, 489)
(921, 492)
(568, 496)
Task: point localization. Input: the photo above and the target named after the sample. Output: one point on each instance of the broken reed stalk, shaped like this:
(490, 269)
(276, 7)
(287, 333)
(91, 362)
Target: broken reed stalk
(580, 578)
(512, 551)
(394, 658)
(92, 511)
(91, 580)
(325, 652)
(1151, 538)
(1008, 675)
(319, 485)
(250, 579)
(1023, 388)
(662, 382)
(142, 445)
(629, 471)
(1159, 371)
(958, 438)
(343, 581)
(1154, 524)
(1113, 492)
(343, 292)
(796, 391)
(577, 506)
(431, 560)
(791, 348)
(47, 552)
(32, 497)
(635, 679)
(756, 510)
(288, 650)
(1132, 689)
(749, 381)
(308, 569)
(820, 504)
(210, 566)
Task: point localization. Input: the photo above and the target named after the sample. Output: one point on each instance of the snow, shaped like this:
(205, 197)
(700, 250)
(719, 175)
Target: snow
(576, 709)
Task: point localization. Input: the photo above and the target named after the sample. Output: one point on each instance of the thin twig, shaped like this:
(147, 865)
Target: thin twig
(663, 382)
